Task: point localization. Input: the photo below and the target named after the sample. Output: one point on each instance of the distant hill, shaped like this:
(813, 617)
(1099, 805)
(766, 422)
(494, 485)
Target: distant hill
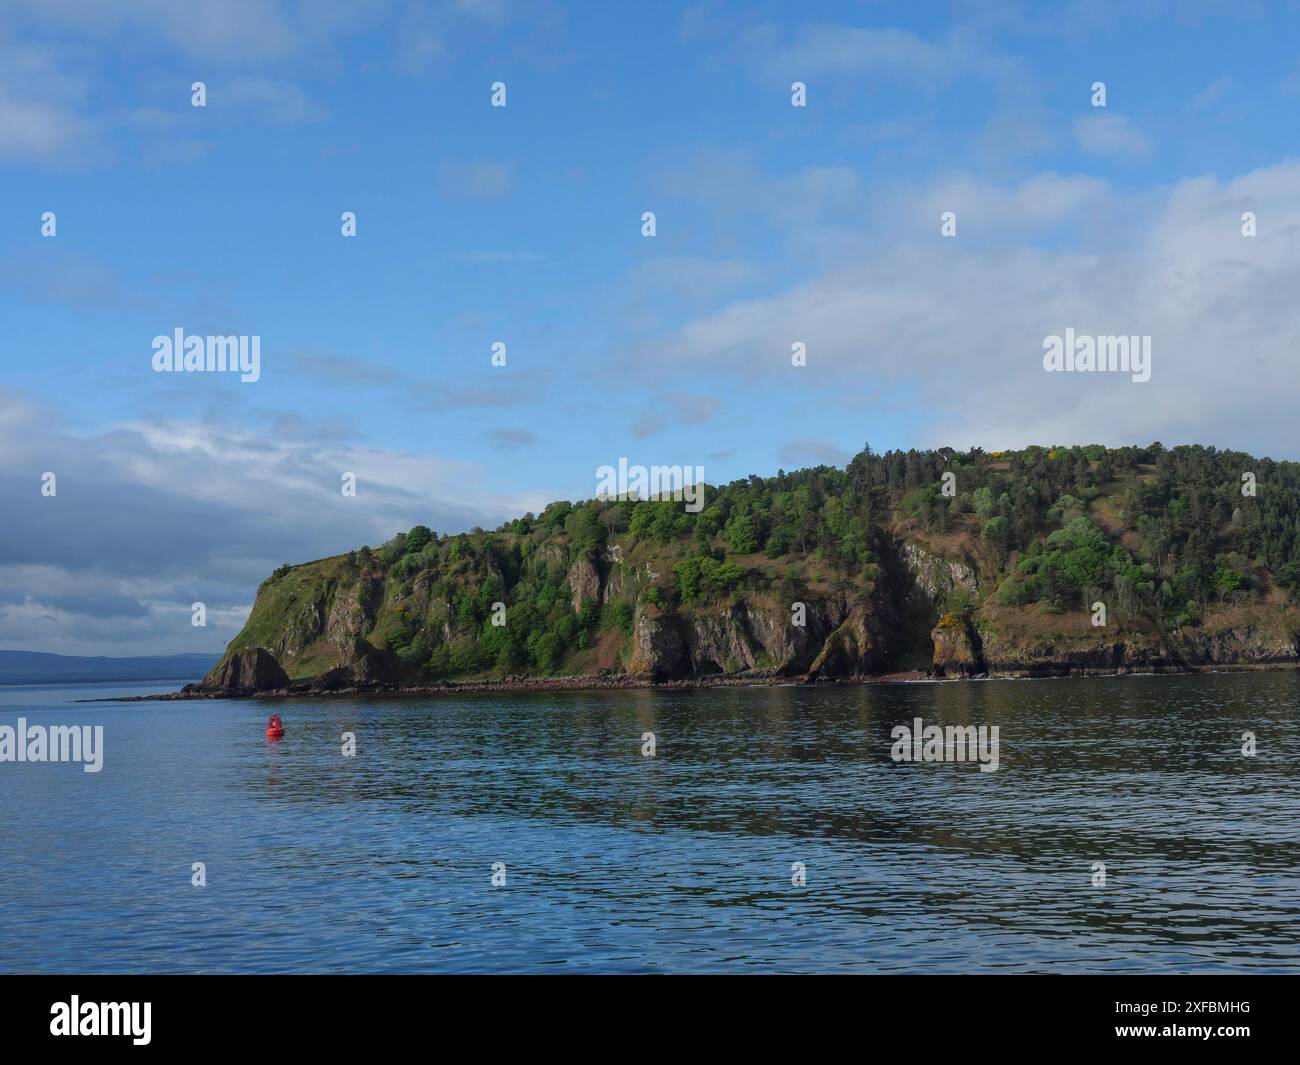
(38, 667)
(1043, 560)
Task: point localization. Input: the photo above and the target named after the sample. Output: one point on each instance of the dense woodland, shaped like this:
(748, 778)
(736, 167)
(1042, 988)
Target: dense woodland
(1167, 534)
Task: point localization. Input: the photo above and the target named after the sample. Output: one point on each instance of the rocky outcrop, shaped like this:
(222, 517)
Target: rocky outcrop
(378, 620)
(835, 640)
(1140, 647)
(854, 649)
(658, 648)
(339, 678)
(720, 641)
(584, 582)
(958, 648)
(625, 581)
(305, 627)
(790, 647)
(745, 636)
(367, 667)
(936, 576)
(1243, 644)
(372, 667)
(1143, 650)
(1059, 655)
(253, 669)
(353, 611)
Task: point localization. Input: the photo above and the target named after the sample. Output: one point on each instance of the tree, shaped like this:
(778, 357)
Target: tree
(994, 533)
(741, 535)
(589, 533)
(1289, 578)
(417, 538)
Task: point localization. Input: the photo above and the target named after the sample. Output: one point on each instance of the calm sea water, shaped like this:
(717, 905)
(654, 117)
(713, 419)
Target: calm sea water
(617, 862)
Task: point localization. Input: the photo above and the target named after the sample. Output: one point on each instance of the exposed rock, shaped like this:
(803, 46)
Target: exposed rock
(1050, 659)
(372, 667)
(353, 611)
(937, 576)
(348, 620)
(304, 628)
(335, 679)
(625, 580)
(1242, 644)
(852, 650)
(791, 648)
(958, 649)
(722, 641)
(658, 649)
(584, 582)
(254, 669)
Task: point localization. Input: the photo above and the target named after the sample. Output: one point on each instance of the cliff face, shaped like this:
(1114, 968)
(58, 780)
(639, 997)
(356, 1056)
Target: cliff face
(1139, 647)
(324, 625)
(820, 575)
(838, 637)
(250, 670)
(958, 648)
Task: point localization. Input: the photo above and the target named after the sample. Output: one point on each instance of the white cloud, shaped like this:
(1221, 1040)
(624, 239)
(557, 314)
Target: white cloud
(150, 517)
(733, 188)
(691, 277)
(816, 50)
(1104, 133)
(1039, 202)
(965, 319)
(49, 116)
(40, 130)
(274, 102)
(812, 51)
(237, 30)
(40, 119)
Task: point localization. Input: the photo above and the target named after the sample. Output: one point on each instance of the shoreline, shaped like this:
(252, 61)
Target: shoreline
(628, 682)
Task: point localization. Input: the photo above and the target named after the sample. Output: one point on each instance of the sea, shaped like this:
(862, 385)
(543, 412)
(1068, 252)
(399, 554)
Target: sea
(1133, 824)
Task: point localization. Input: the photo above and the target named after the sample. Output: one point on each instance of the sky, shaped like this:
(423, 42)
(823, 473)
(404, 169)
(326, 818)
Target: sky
(523, 225)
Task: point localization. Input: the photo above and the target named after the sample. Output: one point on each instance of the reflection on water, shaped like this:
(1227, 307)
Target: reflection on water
(682, 862)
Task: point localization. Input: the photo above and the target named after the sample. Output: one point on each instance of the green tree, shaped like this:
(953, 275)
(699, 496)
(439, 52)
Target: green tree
(417, 538)
(741, 535)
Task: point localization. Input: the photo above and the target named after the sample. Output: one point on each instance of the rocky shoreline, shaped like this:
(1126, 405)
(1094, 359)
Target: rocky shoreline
(624, 681)
(610, 682)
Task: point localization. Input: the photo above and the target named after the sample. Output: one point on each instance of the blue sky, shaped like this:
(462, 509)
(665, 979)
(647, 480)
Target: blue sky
(522, 224)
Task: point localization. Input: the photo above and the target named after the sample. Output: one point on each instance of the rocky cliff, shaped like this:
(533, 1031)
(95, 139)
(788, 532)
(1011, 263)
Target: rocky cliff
(820, 575)
(329, 629)
(252, 669)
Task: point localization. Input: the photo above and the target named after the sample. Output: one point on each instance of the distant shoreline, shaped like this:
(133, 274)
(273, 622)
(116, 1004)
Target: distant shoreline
(625, 682)
(26, 669)
(74, 682)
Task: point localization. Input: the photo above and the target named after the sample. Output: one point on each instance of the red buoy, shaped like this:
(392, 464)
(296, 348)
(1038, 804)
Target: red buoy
(273, 727)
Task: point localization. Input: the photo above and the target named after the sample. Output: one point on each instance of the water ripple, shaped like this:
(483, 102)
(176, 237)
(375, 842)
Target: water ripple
(678, 863)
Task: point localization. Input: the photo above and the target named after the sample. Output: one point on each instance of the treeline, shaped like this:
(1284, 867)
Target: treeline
(1156, 531)
(1164, 533)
